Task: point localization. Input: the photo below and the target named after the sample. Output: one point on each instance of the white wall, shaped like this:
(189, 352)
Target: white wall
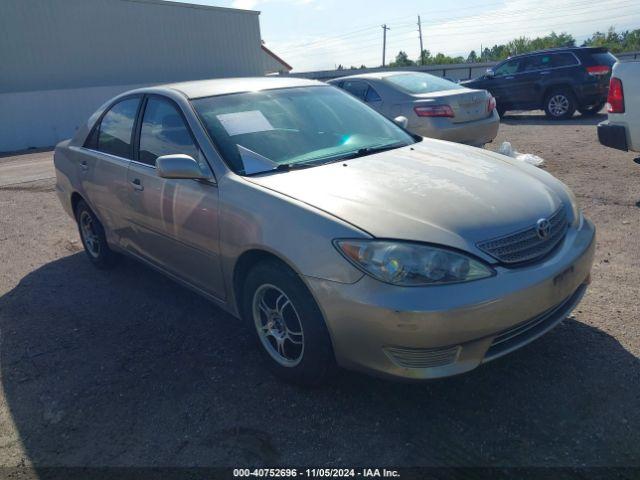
(44, 118)
(61, 59)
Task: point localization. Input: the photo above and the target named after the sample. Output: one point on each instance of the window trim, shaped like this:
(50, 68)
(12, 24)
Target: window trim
(98, 123)
(539, 69)
(552, 54)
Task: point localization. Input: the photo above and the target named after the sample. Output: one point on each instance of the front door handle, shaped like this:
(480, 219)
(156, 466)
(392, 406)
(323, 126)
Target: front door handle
(84, 166)
(545, 73)
(137, 184)
(508, 78)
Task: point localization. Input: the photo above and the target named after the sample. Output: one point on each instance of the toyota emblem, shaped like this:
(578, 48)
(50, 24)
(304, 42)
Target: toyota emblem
(543, 228)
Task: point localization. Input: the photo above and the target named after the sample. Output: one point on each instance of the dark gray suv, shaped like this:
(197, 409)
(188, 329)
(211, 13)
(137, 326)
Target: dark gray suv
(559, 81)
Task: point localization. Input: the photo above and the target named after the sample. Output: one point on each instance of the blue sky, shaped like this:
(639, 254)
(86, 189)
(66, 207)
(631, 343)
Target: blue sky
(320, 34)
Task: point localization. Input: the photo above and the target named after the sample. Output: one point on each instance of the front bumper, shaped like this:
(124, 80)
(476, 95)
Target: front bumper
(613, 136)
(475, 133)
(431, 332)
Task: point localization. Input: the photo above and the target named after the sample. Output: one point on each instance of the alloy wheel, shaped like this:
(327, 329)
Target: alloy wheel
(89, 234)
(278, 325)
(558, 105)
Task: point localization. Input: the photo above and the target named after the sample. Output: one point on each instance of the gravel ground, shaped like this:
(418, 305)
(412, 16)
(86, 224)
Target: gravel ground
(126, 368)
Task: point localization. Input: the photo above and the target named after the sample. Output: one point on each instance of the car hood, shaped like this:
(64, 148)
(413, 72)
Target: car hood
(432, 191)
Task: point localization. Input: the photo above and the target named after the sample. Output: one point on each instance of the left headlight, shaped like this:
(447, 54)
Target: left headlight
(411, 264)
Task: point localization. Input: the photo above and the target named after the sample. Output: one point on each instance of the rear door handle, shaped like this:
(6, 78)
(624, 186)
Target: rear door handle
(545, 73)
(508, 78)
(137, 184)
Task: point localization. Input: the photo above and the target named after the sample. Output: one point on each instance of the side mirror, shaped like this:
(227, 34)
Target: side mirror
(490, 73)
(401, 121)
(179, 166)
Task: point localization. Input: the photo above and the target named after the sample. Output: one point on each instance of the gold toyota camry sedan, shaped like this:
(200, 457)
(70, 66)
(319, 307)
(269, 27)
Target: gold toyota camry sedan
(341, 237)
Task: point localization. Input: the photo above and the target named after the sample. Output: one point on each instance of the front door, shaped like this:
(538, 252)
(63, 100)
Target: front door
(174, 221)
(507, 86)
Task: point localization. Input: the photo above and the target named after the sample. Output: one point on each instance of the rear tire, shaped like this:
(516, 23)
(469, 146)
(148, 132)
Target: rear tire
(560, 104)
(589, 111)
(93, 238)
(288, 324)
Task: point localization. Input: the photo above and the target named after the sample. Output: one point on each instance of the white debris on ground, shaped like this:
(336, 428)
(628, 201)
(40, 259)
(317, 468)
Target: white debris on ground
(509, 151)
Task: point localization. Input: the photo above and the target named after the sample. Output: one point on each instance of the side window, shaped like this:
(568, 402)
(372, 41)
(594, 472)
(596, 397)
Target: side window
(356, 88)
(372, 95)
(114, 132)
(164, 132)
(508, 68)
(537, 62)
(563, 60)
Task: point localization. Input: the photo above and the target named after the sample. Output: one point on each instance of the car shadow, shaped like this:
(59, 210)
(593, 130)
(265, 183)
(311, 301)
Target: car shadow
(126, 368)
(540, 119)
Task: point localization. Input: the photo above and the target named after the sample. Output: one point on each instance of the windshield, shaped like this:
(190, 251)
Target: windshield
(422, 83)
(294, 126)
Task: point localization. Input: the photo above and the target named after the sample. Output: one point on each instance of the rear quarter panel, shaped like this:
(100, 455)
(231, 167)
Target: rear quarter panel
(66, 175)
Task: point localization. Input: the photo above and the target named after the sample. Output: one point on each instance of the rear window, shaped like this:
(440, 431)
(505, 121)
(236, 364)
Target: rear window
(563, 60)
(421, 83)
(603, 58)
(116, 127)
(356, 88)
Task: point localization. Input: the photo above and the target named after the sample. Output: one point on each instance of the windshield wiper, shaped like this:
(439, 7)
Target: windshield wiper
(363, 152)
(286, 167)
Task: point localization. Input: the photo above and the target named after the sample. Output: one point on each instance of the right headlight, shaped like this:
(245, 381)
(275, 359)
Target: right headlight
(412, 264)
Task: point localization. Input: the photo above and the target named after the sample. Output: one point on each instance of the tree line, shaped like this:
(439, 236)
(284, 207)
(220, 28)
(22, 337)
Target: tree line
(625, 41)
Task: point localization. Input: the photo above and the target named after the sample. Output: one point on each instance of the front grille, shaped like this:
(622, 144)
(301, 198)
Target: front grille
(525, 245)
(422, 357)
(527, 331)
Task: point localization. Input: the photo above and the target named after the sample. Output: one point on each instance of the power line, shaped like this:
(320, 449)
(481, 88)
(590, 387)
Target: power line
(481, 30)
(370, 59)
(509, 17)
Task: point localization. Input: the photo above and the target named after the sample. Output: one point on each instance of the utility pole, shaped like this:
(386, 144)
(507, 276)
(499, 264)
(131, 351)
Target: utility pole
(384, 42)
(421, 47)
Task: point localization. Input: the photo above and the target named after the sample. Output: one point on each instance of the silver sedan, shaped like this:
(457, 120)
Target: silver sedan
(341, 238)
(434, 107)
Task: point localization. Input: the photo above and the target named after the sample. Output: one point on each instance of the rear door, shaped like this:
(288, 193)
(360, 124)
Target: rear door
(103, 163)
(536, 72)
(175, 221)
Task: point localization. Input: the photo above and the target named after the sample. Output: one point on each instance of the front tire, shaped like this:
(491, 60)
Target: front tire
(560, 104)
(289, 326)
(93, 238)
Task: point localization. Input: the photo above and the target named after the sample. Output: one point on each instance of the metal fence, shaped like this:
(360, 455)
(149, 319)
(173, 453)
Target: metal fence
(455, 72)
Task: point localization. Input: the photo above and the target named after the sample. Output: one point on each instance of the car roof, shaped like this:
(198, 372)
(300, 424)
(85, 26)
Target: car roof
(376, 75)
(562, 49)
(223, 86)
